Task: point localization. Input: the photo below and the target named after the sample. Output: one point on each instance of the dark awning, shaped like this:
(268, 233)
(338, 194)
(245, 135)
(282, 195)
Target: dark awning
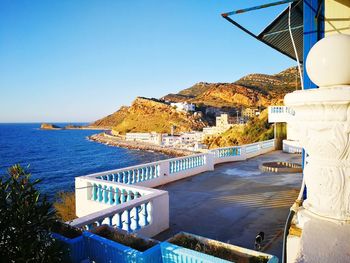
(276, 34)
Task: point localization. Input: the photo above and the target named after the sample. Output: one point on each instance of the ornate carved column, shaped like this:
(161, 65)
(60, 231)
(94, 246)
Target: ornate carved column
(322, 125)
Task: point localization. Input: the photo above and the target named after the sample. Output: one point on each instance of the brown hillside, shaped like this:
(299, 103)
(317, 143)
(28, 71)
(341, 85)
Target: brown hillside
(146, 115)
(230, 95)
(277, 85)
(176, 98)
(196, 89)
(251, 90)
(111, 120)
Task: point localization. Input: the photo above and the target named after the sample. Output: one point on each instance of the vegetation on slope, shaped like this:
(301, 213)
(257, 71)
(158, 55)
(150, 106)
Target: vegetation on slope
(147, 115)
(277, 85)
(231, 95)
(257, 129)
(196, 89)
(250, 91)
(112, 119)
(65, 206)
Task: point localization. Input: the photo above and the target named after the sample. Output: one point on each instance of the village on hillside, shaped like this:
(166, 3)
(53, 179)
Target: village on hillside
(193, 140)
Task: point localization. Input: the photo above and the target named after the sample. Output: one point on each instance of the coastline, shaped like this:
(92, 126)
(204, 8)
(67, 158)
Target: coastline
(115, 141)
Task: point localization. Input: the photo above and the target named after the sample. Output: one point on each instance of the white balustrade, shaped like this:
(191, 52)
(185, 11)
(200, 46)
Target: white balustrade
(186, 163)
(120, 198)
(130, 175)
(93, 194)
(279, 113)
(290, 146)
(162, 172)
(148, 215)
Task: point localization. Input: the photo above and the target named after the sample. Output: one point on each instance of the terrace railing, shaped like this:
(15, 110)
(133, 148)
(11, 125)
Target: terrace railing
(239, 153)
(147, 214)
(159, 173)
(120, 198)
(279, 113)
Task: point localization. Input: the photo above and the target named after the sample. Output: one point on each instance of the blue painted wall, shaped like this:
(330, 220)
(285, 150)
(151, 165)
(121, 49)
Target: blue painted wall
(313, 31)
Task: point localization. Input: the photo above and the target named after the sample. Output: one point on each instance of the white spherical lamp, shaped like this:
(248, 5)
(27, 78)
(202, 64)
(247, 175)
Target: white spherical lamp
(328, 62)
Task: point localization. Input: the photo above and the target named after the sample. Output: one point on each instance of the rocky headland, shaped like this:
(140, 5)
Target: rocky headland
(157, 115)
(150, 115)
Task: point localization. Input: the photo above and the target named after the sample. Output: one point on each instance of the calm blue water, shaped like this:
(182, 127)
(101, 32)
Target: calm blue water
(58, 157)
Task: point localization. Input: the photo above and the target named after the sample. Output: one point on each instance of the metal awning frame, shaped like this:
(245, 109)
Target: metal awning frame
(240, 11)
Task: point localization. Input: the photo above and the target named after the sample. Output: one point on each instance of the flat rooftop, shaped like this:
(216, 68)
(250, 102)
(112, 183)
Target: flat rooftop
(235, 202)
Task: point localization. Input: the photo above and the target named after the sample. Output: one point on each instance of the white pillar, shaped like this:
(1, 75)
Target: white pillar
(322, 124)
(82, 195)
(210, 161)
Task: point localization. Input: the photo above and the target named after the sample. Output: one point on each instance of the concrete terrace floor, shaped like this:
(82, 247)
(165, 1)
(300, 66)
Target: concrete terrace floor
(235, 202)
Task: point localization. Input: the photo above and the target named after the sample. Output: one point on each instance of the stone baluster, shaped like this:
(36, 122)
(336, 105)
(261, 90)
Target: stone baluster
(94, 192)
(100, 194)
(128, 223)
(110, 220)
(137, 217)
(105, 194)
(145, 214)
(111, 195)
(120, 220)
(117, 196)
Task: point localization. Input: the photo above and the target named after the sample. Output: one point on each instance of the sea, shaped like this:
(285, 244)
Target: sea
(58, 156)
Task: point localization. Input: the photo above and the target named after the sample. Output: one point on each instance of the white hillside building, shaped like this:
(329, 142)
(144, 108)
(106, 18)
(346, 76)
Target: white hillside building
(183, 106)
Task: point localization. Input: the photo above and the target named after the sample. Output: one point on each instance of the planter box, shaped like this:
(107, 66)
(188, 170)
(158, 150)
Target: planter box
(103, 250)
(172, 253)
(75, 246)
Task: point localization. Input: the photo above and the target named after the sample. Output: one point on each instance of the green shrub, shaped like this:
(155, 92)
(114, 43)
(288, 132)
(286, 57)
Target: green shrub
(26, 218)
(257, 129)
(65, 206)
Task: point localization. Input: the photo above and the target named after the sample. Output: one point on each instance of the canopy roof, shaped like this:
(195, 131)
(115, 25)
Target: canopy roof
(276, 34)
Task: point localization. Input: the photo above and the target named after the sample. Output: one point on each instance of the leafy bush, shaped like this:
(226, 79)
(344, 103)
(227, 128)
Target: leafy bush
(25, 221)
(65, 206)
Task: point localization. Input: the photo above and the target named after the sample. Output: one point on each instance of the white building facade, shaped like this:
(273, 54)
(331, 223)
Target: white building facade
(183, 106)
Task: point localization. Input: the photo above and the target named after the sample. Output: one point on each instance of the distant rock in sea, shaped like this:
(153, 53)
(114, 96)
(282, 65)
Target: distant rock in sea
(48, 126)
(72, 127)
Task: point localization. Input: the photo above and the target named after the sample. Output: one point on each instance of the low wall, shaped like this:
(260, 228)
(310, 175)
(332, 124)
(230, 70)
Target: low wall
(124, 198)
(292, 146)
(279, 114)
(144, 211)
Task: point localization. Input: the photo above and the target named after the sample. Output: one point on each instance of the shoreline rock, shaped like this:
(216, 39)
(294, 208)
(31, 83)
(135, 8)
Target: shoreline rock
(49, 126)
(118, 142)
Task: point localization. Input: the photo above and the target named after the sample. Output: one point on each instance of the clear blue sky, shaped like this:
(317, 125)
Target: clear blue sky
(70, 60)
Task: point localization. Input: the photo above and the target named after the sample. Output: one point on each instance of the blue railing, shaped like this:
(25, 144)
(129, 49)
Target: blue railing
(129, 219)
(112, 195)
(187, 163)
(132, 175)
(227, 152)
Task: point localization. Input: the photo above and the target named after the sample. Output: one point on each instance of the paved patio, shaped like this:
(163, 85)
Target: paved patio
(235, 202)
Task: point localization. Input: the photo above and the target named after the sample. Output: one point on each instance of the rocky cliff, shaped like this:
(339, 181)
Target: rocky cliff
(251, 90)
(113, 119)
(232, 95)
(146, 115)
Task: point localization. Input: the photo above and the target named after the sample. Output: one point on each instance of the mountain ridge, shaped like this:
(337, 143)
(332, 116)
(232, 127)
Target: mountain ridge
(252, 90)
